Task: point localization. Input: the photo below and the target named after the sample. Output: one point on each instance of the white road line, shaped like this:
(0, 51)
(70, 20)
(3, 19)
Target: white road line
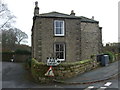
(103, 87)
(91, 87)
(108, 84)
(88, 88)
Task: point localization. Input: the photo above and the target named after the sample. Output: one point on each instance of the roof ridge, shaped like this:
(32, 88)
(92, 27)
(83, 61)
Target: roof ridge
(55, 12)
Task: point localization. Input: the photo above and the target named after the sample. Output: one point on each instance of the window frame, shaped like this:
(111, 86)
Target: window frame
(63, 29)
(64, 51)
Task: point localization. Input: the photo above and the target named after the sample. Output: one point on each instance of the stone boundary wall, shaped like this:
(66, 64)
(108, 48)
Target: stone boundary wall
(63, 71)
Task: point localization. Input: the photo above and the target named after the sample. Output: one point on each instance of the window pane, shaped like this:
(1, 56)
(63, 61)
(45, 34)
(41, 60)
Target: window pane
(57, 55)
(61, 47)
(61, 30)
(57, 24)
(58, 31)
(57, 47)
(61, 55)
(61, 24)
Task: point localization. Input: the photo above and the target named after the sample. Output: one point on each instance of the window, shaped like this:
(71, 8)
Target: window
(59, 50)
(59, 28)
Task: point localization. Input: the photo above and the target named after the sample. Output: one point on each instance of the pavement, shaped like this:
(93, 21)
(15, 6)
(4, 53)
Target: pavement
(96, 75)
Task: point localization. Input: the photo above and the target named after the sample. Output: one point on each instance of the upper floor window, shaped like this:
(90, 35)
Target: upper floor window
(59, 28)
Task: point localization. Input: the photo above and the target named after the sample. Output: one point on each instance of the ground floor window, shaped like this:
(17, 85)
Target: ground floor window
(59, 51)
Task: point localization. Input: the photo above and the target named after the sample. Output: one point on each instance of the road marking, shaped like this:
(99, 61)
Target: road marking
(88, 88)
(108, 84)
(91, 87)
(103, 87)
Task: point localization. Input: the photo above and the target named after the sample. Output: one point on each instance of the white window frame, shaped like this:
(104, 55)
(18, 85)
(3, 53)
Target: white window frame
(59, 51)
(62, 34)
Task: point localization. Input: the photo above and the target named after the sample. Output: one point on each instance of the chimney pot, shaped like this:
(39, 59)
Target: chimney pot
(36, 9)
(36, 4)
(72, 13)
(92, 17)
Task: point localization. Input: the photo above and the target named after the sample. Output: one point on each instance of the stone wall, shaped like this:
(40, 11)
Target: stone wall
(64, 70)
(91, 40)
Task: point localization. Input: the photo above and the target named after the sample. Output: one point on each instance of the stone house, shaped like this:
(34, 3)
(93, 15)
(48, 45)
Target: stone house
(66, 37)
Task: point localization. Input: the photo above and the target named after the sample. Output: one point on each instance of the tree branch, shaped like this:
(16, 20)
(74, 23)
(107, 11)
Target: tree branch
(6, 22)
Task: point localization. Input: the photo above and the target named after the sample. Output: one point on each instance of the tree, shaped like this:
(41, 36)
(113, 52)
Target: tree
(6, 17)
(21, 36)
(11, 37)
(8, 39)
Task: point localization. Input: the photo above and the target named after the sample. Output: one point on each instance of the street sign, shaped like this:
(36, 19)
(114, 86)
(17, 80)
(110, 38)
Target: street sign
(49, 72)
(53, 62)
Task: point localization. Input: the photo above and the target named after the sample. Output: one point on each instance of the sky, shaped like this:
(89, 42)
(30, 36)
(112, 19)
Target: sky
(104, 11)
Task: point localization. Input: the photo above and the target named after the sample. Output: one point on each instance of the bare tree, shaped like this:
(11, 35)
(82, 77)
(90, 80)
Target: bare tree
(6, 17)
(20, 35)
(8, 39)
(11, 37)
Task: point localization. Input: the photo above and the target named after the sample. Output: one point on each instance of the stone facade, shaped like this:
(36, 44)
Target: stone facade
(82, 36)
(91, 39)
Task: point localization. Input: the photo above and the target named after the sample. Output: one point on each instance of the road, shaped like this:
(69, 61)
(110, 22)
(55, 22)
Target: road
(15, 76)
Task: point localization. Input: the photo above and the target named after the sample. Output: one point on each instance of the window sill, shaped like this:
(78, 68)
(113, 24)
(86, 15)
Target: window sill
(59, 35)
(61, 59)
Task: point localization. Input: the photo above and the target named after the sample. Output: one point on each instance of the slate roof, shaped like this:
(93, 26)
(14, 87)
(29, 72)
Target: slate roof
(85, 19)
(62, 15)
(58, 15)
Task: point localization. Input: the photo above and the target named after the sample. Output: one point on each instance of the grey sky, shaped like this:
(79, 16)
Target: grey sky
(104, 11)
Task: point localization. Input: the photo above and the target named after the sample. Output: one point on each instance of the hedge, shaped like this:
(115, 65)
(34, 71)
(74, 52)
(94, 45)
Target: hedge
(18, 54)
(18, 51)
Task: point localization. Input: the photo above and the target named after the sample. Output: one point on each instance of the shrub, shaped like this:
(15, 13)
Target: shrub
(18, 55)
(19, 51)
(7, 56)
(111, 56)
(28, 63)
(10, 53)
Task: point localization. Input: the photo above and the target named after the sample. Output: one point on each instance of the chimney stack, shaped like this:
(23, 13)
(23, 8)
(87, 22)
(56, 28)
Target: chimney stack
(92, 18)
(36, 9)
(72, 13)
